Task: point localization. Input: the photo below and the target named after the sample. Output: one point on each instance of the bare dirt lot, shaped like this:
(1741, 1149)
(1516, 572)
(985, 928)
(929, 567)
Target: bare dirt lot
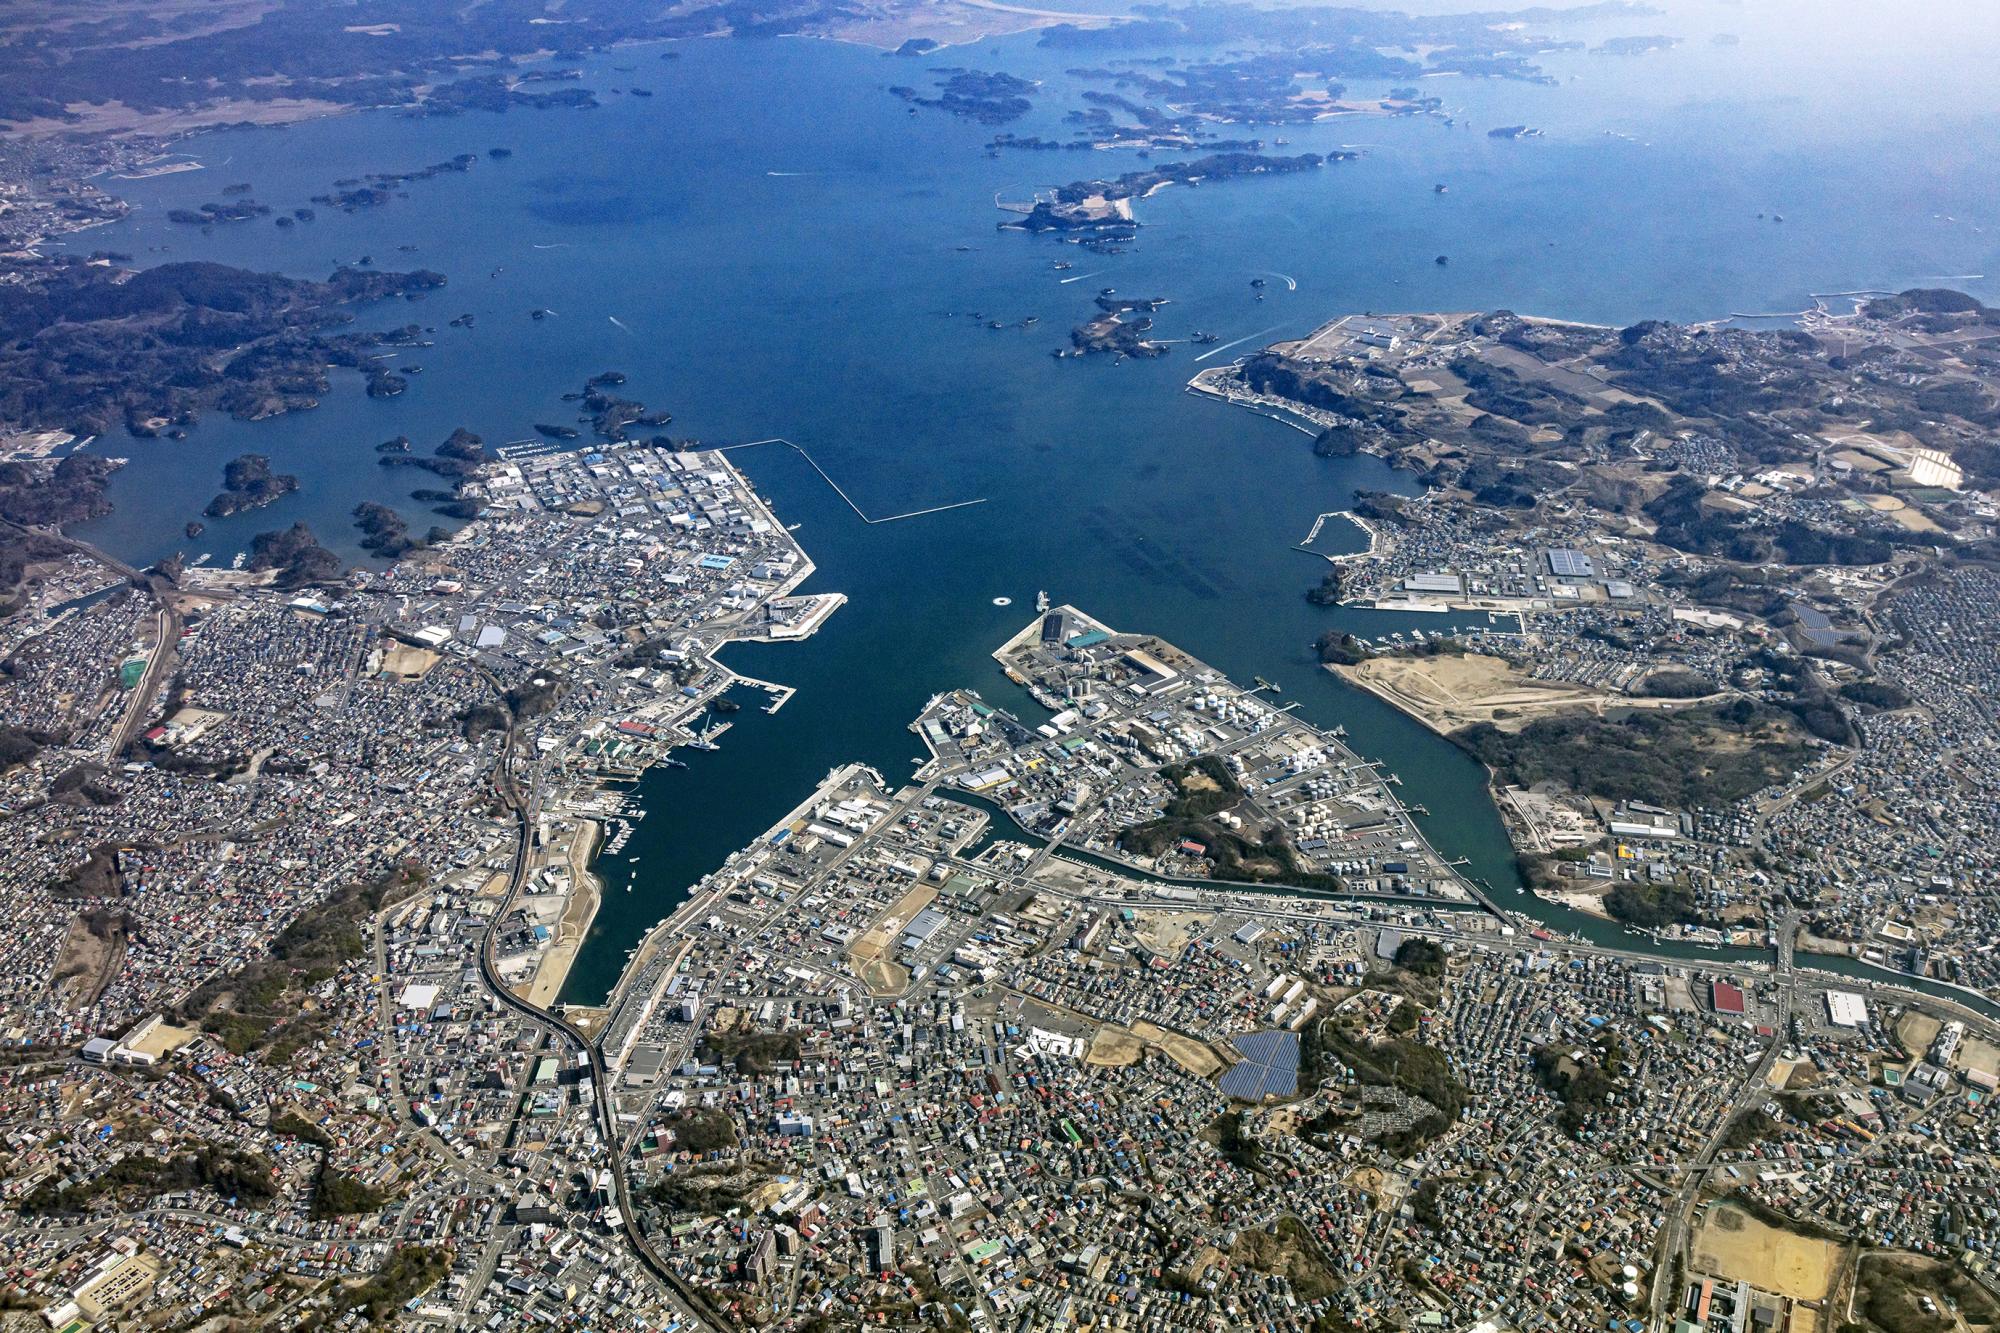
(1169, 932)
(1732, 1244)
(91, 956)
(407, 662)
(1901, 514)
(1197, 1057)
(1447, 692)
(1917, 1031)
(1114, 1045)
(869, 954)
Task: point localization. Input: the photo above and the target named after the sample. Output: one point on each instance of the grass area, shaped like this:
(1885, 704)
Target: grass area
(1582, 1078)
(1652, 905)
(338, 1194)
(411, 1271)
(711, 1189)
(1748, 1129)
(703, 1129)
(1236, 1147)
(1402, 1063)
(1286, 1249)
(752, 1052)
(1420, 955)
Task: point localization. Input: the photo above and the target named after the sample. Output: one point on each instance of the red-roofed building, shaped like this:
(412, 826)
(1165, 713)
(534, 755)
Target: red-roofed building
(1726, 998)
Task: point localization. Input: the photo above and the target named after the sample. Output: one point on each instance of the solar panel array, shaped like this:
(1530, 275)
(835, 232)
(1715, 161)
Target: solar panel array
(1270, 1066)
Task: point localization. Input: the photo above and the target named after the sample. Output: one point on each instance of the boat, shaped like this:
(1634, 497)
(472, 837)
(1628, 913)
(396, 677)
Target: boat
(1041, 602)
(1063, 266)
(1204, 338)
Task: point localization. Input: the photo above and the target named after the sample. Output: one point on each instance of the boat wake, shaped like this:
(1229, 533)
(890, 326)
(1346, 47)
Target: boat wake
(1239, 342)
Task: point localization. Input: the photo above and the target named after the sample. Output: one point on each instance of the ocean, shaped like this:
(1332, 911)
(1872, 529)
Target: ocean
(772, 245)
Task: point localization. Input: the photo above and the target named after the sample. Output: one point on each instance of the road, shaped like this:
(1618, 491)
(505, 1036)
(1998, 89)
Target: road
(1676, 1233)
(527, 807)
(165, 656)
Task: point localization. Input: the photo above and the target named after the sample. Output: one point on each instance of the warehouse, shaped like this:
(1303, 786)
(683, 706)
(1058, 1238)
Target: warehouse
(1846, 1009)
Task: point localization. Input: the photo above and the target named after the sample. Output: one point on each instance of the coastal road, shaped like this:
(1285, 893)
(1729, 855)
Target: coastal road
(527, 807)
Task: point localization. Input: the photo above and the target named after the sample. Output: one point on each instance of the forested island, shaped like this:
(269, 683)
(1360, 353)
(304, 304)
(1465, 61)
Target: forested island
(249, 483)
(296, 556)
(1120, 327)
(1092, 204)
(90, 348)
(990, 99)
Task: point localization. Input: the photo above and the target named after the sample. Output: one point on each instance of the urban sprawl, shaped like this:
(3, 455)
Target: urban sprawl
(1143, 1003)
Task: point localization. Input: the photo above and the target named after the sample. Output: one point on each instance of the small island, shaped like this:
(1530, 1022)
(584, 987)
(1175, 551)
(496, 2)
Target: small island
(296, 556)
(1115, 330)
(1097, 204)
(248, 483)
(990, 99)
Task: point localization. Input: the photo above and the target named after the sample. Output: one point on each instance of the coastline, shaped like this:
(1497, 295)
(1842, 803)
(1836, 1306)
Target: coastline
(585, 897)
(821, 607)
(1400, 704)
(627, 1005)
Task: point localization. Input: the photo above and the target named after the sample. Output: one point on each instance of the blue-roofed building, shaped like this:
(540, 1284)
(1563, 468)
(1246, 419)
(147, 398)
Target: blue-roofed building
(1270, 1066)
(1567, 564)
